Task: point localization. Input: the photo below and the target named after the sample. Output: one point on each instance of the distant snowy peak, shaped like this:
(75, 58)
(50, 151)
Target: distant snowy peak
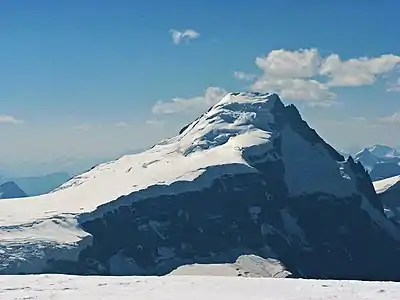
(11, 190)
(367, 159)
(379, 152)
(383, 151)
(380, 161)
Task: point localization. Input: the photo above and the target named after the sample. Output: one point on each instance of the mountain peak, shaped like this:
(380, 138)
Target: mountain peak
(240, 97)
(10, 189)
(248, 174)
(235, 103)
(383, 151)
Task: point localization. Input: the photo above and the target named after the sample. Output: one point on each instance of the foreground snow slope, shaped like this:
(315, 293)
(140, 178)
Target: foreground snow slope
(58, 287)
(249, 176)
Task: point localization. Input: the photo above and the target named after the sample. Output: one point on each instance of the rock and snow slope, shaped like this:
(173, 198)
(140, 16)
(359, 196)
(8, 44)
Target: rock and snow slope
(247, 177)
(59, 287)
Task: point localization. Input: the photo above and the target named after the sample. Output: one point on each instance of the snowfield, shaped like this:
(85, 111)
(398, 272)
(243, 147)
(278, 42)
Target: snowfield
(383, 185)
(245, 265)
(60, 287)
(388, 191)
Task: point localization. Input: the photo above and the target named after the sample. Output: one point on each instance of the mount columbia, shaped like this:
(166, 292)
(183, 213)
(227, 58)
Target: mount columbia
(249, 176)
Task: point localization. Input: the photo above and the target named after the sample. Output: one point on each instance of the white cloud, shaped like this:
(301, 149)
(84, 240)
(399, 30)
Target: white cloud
(179, 105)
(86, 126)
(392, 119)
(186, 35)
(154, 122)
(291, 75)
(9, 119)
(357, 71)
(394, 87)
(121, 124)
(290, 64)
(307, 76)
(244, 76)
(295, 89)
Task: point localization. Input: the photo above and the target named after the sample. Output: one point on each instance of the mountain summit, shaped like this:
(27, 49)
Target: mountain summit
(249, 176)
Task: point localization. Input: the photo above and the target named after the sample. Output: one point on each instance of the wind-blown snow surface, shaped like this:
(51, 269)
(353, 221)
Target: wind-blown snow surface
(248, 176)
(59, 287)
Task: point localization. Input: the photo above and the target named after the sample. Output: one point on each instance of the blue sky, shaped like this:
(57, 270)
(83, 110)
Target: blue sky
(96, 78)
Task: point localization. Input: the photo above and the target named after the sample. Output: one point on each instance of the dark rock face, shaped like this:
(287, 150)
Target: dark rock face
(385, 170)
(314, 235)
(11, 190)
(391, 200)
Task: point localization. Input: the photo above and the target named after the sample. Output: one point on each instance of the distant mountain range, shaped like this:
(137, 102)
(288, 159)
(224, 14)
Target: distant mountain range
(11, 190)
(38, 185)
(380, 161)
(41, 184)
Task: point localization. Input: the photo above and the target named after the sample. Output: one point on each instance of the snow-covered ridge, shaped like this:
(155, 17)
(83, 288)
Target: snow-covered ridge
(237, 122)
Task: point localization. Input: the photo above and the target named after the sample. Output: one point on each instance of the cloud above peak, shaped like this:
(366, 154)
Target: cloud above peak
(357, 71)
(392, 119)
(305, 75)
(185, 35)
(181, 105)
(281, 63)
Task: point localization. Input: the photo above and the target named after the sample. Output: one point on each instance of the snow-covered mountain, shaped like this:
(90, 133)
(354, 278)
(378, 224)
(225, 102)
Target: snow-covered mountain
(380, 161)
(249, 176)
(10, 189)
